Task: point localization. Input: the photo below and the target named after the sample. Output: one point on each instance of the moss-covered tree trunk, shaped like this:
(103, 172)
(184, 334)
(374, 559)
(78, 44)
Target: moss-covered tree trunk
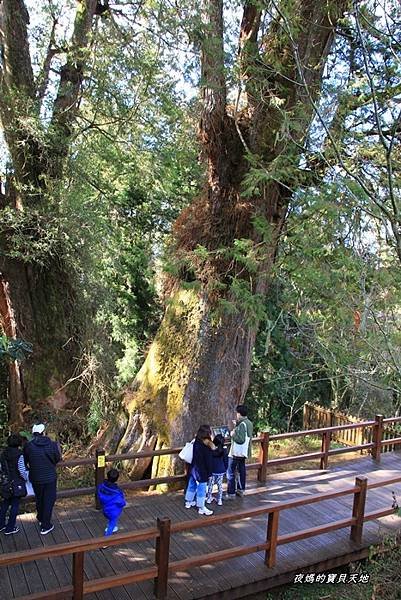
(38, 305)
(224, 244)
(37, 298)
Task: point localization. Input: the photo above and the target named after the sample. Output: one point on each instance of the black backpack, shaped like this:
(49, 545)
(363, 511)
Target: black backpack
(5, 482)
(9, 487)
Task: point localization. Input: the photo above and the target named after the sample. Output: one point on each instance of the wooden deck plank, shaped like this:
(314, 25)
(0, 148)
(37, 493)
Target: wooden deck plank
(218, 574)
(145, 516)
(187, 583)
(95, 559)
(94, 522)
(121, 558)
(37, 576)
(67, 526)
(218, 578)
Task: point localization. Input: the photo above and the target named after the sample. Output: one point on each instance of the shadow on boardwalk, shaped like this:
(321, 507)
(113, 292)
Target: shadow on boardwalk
(234, 578)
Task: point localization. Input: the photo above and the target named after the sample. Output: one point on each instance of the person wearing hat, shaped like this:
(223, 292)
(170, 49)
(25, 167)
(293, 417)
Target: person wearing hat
(41, 457)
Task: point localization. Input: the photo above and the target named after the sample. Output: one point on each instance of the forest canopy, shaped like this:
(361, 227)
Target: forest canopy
(199, 206)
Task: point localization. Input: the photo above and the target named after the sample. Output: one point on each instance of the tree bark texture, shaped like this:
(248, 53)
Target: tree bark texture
(37, 298)
(198, 366)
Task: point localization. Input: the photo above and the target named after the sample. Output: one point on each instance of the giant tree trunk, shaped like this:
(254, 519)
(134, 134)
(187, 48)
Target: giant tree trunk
(38, 305)
(197, 368)
(37, 299)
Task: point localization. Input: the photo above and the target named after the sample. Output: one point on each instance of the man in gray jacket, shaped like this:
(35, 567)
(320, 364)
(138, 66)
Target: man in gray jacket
(41, 457)
(240, 450)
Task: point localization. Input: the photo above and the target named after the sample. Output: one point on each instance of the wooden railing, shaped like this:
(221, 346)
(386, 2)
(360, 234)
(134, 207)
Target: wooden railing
(375, 446)
(320, 416)
(161, 568)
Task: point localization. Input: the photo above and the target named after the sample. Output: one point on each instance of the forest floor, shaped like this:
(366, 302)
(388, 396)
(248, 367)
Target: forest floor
(384, 582)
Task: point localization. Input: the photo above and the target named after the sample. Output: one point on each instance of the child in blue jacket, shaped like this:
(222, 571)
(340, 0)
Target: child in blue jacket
(219, 467)
(112, 499)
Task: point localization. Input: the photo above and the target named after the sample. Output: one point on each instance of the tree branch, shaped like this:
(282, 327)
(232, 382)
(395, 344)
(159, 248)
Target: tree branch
(17, 67)
(43, 79)
(213, 84)
(72, 73)
(248, 49)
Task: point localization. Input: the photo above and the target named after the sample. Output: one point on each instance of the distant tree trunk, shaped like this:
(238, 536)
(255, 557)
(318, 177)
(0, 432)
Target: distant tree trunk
(198, 366)
(37, 298)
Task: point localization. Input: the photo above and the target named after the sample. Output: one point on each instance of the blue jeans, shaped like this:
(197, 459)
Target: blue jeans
(233, 464)
(13, 505)
(112, 523)
(198, 489)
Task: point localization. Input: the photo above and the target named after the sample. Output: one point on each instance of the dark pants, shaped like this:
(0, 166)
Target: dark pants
(233, 464)
(13, 504)
(45, 497)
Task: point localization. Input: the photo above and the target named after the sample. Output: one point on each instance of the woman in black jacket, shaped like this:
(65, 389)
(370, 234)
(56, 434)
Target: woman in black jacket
(200, 471)
(13, 463)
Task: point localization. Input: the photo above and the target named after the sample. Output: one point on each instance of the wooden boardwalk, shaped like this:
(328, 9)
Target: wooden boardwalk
(234, 578)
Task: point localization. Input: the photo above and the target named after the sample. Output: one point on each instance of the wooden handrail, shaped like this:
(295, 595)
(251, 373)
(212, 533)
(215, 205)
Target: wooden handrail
(16, 558)
(392, 420)
(261, 465)
(162, 533)
(320, 430)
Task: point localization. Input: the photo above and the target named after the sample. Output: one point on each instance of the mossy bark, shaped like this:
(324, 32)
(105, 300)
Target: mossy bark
(40, 308)
(37, 302)
(196, 371)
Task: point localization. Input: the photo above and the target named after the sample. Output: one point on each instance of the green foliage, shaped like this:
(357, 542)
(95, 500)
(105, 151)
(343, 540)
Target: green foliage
(3, 420)
(382, 569)
(14, 349)
(310, 346)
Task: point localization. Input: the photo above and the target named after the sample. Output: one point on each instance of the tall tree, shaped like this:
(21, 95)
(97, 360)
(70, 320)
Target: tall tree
(37, 296)
(224, 244)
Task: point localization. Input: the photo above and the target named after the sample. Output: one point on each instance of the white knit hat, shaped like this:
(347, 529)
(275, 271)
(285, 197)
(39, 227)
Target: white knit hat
(39, 428)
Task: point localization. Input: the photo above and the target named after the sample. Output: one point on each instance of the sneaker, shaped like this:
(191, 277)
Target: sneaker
(205, 511)
(115, 529)
(46, 531)
(190, 504)
(239, 493)
(210, 500)
(219, 502)
(15, 530)
(2, 528)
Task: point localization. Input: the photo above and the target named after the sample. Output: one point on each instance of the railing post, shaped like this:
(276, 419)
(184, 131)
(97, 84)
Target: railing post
(78, 575)
(326, 437)
(162, 557)
(305, 416)
(99, 473)
(377, 437)
(272, 532)
(358, 509)
(263, 457)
